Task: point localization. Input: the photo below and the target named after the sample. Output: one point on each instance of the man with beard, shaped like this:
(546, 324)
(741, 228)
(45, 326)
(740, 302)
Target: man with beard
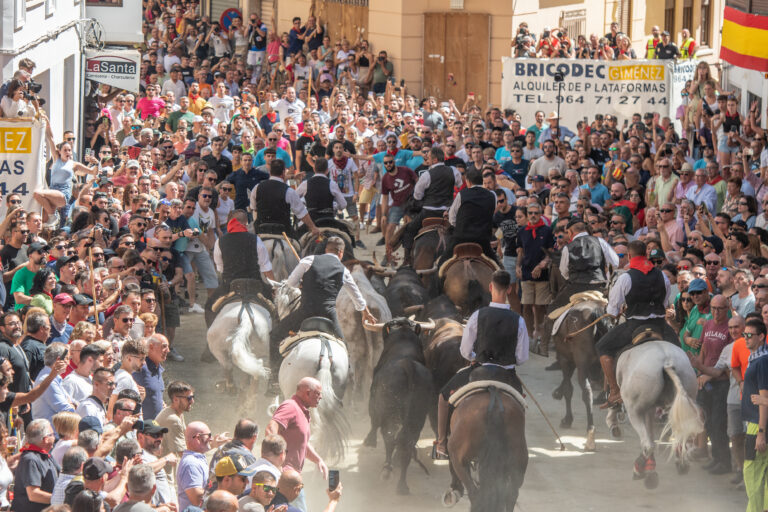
(22, 280)
(150, 437)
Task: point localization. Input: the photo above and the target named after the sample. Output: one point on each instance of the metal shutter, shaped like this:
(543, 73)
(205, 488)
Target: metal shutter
(219, 6)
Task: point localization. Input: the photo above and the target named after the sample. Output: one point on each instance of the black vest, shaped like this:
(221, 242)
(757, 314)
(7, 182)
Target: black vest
(238, 252)
(646, 297)
(586, 263)
(439, 193)
(496, 336)
(271, 206)
(322, 283)
(474, 220)
(318, 197)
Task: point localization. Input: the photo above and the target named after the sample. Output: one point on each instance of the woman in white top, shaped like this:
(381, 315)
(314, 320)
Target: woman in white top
(237, 34)
(65, 424)
(13, 103)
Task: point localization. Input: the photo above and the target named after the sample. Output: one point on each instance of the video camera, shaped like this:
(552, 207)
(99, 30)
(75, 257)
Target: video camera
(33, 89)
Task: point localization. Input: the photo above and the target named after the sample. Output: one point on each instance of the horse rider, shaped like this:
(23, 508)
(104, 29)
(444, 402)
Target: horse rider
(322, 277)
(471, 215)
(320, 192)
(583, 266)
(645, 291)
(435, 190)
(271, 210)
(487, 342)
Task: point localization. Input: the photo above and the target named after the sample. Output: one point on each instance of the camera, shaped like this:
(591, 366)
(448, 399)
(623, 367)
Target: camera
(33, 88)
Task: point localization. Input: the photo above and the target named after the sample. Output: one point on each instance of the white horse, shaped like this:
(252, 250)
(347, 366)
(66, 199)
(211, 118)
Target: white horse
(364, 346)
(327, 361)
(657, 374)
(280, 255)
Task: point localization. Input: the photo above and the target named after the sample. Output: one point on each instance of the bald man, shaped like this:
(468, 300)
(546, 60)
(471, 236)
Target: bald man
(221, 501)
(192, 475)
(289, 488)
(291, 421)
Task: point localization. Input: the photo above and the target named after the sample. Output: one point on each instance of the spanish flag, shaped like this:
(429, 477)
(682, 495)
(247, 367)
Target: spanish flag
(745, 40)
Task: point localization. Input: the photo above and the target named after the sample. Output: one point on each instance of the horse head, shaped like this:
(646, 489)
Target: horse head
(286, 297)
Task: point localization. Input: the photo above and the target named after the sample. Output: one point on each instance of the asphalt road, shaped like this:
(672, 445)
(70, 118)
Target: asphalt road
(572, 479)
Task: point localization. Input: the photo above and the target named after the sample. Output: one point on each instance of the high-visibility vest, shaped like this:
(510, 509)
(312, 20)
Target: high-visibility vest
(650, 47)
(685, 48)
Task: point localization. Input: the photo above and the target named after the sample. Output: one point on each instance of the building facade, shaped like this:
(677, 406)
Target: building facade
(46, 32)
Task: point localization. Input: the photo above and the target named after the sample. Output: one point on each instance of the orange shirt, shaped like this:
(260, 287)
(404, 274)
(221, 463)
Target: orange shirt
(740, 356)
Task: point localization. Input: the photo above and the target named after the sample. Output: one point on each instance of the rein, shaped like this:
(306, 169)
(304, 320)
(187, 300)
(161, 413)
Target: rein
(591, 324)
(325, 351)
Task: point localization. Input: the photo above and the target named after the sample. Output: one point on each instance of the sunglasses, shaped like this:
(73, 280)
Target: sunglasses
(750, 335)
(666, 210)
(15, 201)
(129, 244)
(698, 292)
(267, 488)
(165, 259)
(686, 299)
(716, 262)
(127, 320)
(206, 196)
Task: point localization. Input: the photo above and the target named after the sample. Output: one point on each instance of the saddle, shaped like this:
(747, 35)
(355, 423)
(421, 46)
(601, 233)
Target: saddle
(480, 386)
(467, 251)
(245, 290)
(312, 327)
(639, 336)
(279, 236)
(431, 224)
(594, 295)
(271, 230)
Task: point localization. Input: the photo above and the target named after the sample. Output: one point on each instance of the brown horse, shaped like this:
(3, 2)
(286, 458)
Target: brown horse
(428, 245)
(466, 283)
(442, 357)
(487, 433)
(577, 353)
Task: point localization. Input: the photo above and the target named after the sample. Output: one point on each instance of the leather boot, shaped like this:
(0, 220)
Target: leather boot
(440, 451)
(614, 395)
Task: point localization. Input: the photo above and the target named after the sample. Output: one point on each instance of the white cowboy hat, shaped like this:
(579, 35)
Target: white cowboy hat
(552, 115)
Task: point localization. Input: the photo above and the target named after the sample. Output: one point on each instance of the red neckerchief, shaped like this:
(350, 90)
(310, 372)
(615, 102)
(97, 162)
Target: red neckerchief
(29, 447)
(340, 164)
(307, 135)
(641, 263)
(271, 116)
(193, 96)
(393, 153)
(235, 226)
(715, 181)
(533, 227)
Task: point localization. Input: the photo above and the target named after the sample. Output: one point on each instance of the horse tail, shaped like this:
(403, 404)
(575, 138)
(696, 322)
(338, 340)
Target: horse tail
(335, 428)
(684, 419)
(492, 493)
(242, 356)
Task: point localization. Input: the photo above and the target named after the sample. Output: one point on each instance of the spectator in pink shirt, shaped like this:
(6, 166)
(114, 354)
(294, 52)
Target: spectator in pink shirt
(151, 104)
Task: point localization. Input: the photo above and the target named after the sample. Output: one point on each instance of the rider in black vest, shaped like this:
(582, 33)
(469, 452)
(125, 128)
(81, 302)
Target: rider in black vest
(275, 201)
(233, 254)
(322, 277)
(471, 216)
(645, 291)
(495, 340)
(435, 190)
(319, 193)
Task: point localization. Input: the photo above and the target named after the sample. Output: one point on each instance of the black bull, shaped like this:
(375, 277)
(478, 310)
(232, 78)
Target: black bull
(401, 394)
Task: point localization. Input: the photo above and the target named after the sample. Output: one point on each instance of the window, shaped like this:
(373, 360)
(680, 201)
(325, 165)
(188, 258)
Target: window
(687, 15)
(625, 17)
(706, 23)
(669, 16)
(575, 22)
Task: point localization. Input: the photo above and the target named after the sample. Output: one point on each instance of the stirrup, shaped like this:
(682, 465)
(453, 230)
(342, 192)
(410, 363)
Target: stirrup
(611, 404)
(438, 454)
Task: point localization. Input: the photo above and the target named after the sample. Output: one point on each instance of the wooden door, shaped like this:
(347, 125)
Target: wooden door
(456, 50)
(343, 19)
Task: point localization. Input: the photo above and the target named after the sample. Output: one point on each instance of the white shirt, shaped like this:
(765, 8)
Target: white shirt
(468, 339)
(291, 197)
(222, 107)
(177, 88)
(349, 283)
(89, 407)
(261, 251)
(78, 387)
(608, 253)
(619, 291)
(425, 180)
(288, 109)
(124, 380)
(341, 202)
(347, 172)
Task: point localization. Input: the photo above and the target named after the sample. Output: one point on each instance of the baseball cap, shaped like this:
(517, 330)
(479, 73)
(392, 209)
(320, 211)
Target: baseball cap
(82, 300)
(132, 163)
(63, 298)
(64, 260)
(38, 247)
(656, 254)
(234, 464)
(697, 285)
(716, 243)
(96, 467)
(90, 422)
(539, 178)
(152, 427)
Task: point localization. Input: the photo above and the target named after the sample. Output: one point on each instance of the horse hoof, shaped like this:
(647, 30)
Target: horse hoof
(590, 445)
(386, 474)
(652, 480)
(403, 490)
(451, 498)
(616, 432)
(557, 394)
(566, 423)
(682, 467)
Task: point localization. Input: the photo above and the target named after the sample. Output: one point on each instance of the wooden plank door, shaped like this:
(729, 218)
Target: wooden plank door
(345, 19)
(433, 79)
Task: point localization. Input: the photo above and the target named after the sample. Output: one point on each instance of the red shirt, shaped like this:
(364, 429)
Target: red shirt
(293, 419)
(399, 186)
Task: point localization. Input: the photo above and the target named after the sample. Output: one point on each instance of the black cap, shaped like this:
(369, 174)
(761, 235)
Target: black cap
(574, 220)
(64, 260)
(96, 467)
(152, 427)
(38, 247)
(82, 300)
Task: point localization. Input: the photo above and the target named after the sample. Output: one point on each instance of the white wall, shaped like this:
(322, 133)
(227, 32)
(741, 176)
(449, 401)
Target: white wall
(121, 24)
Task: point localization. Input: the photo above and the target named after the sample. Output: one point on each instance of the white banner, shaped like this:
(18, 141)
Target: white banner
(118, 68)
(683, 72)
(589, 87)
(21, 160)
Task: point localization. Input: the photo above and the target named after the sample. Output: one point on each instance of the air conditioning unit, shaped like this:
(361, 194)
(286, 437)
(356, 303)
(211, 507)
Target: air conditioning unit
(457, 4)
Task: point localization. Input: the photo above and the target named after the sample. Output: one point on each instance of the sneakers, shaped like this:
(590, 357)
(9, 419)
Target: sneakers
(196, 308)
(173, 355)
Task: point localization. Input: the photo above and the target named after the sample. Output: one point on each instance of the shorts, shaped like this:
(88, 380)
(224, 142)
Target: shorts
(735, 424)
(351, 207)
(535, 293)
(186, 266)
(172, 316)
(510, 265)
(723, 147)
(256, 58)
(395, 214)
(204, 264)
(367, 195)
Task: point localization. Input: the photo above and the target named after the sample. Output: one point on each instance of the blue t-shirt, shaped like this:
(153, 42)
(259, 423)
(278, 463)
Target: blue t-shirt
(517, 172)
(283, 155)
(150, 376)
(192, 472)
(177, 226)
(755, 379)
(402, 159)
(599, 194)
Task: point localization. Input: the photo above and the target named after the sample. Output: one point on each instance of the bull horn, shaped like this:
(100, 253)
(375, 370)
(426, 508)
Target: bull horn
(386, 272)
(373, 327)
(427, 271)
(413, 309)
(428, 325)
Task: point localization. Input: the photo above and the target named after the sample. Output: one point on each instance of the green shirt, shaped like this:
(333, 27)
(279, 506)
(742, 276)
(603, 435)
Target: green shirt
(22, 282)
(692, 328)
(174, 118)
